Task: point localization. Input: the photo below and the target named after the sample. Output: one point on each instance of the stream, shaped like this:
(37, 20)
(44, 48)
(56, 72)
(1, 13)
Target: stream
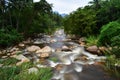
(74, 63)
(68, 60)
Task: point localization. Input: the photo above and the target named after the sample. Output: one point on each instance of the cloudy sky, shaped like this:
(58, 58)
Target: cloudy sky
(67, 6)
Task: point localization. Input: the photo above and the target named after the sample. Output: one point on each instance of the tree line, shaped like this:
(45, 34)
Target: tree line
(25, 18)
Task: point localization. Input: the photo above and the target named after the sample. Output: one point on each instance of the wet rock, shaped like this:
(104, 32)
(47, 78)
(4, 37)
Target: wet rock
(44, 55)
(33, 70)
(65, 48)
(59, 67)
(93, 49)
(81, 58)
(15, 52)
(53, 40)
(46, 49)
(14, 49)
(58, 50)
(33, 48)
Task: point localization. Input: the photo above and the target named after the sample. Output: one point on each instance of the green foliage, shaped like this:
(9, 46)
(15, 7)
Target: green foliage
(109, 11)
(21, 73)
(91, 40)
(113, 66)
(81, 22)
(108, 31)
(8, 37)
(8, 61)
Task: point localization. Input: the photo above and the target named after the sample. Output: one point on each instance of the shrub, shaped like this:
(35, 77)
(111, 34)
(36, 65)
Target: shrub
(108, 31)
(9, 37)
(113, 66)
(91, 40)
(115, 44)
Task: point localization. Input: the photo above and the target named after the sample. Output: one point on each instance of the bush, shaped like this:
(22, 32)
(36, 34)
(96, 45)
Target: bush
(91, 40)
(9, 37)
(108, 31)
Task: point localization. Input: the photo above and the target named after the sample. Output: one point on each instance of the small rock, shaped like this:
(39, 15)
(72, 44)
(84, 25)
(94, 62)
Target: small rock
(58, 50)
(1, 65)
(21, 45)
(65, 48)
(93, 49)
(82, 43)
(15, 52)
(22, 61)
(59, 67)
(102, 49)
(33, 48)
(14, 49)
(33, 70)
(53, 40)
(82, 39)
(4, 57)
(44, 55)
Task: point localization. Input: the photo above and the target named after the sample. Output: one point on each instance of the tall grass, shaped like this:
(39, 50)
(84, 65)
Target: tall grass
(91, 40)
(21, 73)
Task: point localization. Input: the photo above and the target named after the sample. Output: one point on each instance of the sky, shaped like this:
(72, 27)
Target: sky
(66, 6)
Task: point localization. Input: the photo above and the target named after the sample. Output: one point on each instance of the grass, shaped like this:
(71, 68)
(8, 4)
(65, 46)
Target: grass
(8, 61)
(54, 59)
(113, 66)
(21, 72)
(91, 40)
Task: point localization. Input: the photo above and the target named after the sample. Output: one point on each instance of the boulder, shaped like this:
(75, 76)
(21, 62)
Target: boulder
(33, 48)
(93, 49)
(21, 57)
(46, 49)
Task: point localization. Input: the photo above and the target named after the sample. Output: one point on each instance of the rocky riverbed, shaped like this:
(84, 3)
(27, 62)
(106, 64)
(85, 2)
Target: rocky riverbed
(69, 60)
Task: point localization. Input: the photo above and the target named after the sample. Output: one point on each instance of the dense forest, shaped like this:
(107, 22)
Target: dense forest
(99, 22)
(23, 18)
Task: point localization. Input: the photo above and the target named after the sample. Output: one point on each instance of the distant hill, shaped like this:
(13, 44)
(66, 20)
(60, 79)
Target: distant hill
(63, 14)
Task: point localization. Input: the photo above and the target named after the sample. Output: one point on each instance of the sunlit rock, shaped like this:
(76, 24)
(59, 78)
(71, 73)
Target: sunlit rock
(33, 48)
(21, 45)
(53, 40)
(21, 57)
(93, 49)
(45, 49)
(44, 55)
(14, 49)
(65, 48)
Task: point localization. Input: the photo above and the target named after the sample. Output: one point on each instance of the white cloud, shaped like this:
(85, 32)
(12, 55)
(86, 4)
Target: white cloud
(67, 6)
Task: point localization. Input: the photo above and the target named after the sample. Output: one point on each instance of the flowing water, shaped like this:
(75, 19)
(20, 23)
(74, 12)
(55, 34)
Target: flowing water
(69, 68)
(73, 62)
